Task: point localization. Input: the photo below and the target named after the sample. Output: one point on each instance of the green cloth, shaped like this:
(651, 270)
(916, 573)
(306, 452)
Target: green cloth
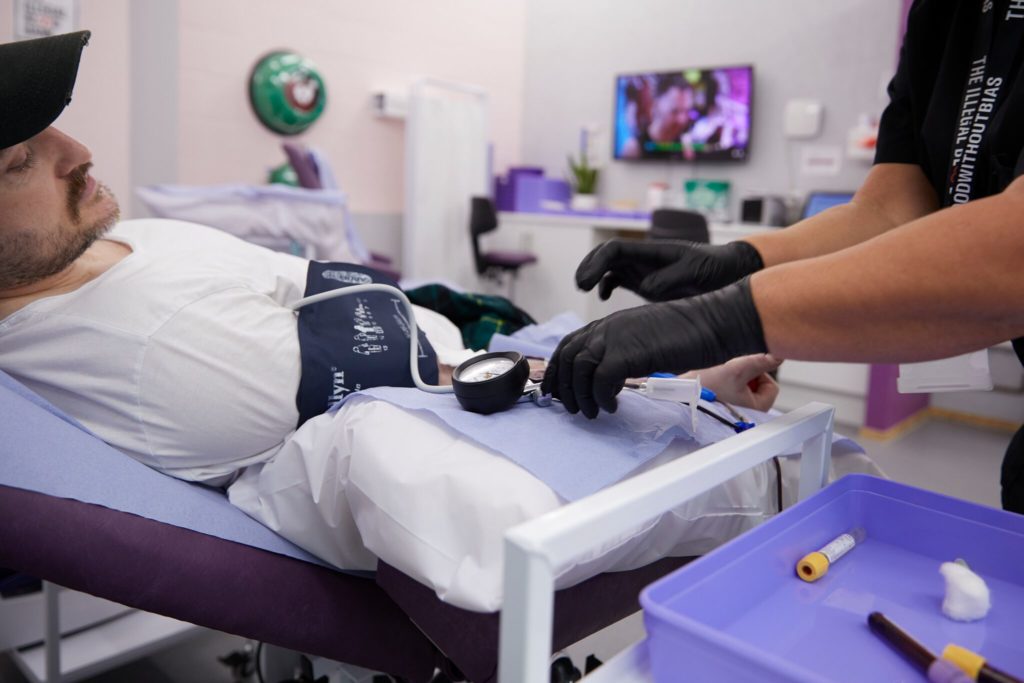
(478, 316)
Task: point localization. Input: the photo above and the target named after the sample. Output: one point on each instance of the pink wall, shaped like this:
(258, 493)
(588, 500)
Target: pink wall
(359, 47)
(99, 114)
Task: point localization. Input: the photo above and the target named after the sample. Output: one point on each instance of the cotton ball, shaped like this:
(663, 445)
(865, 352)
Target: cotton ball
(967, 596)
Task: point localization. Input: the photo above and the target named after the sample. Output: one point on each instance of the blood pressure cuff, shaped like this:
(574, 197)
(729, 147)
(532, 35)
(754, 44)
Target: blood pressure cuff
(355, 342)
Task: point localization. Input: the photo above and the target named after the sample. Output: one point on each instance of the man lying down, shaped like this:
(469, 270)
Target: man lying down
(176, 344)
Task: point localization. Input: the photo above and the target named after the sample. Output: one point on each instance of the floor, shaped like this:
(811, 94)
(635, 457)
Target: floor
(952, 458)
(191, 661)
(949, 457)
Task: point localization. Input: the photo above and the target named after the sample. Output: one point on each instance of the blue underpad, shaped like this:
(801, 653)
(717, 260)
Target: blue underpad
(46, 451)
(571, 454)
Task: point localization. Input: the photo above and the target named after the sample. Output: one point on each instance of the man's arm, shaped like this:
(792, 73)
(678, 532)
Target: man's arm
(945, 284)
(892, 195)
(742, 381)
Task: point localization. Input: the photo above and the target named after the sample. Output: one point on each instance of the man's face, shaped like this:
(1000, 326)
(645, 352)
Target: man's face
(51, 209)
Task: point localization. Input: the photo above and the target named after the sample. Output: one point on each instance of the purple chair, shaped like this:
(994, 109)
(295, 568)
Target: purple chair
(304, 166)
(493, 264)
(309, 177)
(678, 224)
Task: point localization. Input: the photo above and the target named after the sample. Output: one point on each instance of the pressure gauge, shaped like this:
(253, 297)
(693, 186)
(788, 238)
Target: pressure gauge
(487, 369)
(492, 382)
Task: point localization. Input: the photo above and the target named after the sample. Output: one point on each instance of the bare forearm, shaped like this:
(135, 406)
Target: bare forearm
(945, 284)
(892, 195)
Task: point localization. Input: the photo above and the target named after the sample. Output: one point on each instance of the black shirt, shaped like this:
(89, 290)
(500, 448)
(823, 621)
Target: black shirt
(919, 124)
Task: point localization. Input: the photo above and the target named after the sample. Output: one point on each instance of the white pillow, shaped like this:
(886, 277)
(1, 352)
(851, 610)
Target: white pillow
(436, 505)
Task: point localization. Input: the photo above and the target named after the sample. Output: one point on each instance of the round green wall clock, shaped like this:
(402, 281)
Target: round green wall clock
(286, 92)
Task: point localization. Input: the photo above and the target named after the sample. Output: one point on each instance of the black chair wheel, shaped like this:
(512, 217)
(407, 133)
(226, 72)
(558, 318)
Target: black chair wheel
(562, 671)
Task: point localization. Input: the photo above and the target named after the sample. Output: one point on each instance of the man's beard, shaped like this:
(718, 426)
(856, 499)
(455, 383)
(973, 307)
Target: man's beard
(28, 256)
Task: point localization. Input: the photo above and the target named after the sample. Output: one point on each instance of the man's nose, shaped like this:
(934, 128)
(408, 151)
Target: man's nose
(69, 153)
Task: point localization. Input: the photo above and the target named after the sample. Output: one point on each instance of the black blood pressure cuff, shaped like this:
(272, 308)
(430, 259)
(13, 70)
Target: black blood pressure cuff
(355, 342)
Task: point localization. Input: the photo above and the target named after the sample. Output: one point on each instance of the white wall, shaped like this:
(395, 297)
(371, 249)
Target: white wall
(841, 52)
(154, 95)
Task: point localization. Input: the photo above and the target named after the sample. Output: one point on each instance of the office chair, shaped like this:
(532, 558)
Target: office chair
(677, 224)
(493, 264)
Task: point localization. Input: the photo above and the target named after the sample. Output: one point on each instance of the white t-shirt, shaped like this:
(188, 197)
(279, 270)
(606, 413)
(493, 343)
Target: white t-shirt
(184, 355)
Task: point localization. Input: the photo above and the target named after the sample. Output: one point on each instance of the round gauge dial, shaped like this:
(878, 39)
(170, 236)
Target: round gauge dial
(492, 382)
(487, 368)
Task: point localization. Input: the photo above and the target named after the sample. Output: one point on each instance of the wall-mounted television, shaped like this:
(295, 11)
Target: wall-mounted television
(691, 114)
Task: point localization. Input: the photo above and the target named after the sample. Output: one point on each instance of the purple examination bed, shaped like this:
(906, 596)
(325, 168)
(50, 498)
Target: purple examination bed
(80, 514)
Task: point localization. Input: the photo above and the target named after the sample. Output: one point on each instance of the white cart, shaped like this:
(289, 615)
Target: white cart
(533, 548)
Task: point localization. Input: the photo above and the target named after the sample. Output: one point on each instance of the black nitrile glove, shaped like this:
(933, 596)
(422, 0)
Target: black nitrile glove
(666, 270)
(591, 365)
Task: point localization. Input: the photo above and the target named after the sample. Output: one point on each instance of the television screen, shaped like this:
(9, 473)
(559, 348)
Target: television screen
(693, 114)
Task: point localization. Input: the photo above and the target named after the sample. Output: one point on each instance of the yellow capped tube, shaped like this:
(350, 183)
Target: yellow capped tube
(965, 660)
(815, 565)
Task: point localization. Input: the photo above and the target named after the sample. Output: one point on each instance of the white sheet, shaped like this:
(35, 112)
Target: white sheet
(375, 481)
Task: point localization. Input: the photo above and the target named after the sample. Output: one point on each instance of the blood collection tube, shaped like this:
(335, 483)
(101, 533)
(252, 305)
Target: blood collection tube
(815, 565)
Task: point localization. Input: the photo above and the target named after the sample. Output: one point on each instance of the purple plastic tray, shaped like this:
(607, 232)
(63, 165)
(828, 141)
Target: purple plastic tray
(741, 614)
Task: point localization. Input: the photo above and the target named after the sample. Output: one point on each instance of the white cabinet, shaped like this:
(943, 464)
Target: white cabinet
(548, 287)
(843, 385)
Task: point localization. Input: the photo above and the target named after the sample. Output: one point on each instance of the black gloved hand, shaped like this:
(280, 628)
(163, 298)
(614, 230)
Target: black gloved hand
(666, 270)
(591, 365)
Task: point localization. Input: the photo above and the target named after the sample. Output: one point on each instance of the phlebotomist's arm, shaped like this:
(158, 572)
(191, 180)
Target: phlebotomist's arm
(892, 195)
(945, 284)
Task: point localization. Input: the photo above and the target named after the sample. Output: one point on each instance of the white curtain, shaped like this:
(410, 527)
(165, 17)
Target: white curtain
(447, 162)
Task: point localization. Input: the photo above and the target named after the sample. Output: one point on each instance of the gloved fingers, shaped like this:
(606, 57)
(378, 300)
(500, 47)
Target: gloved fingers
(608, 284)
(549, 385)
(567, 353)
(630, 259)
(608, 382)
(595, 264)
(671, 282)
(583, 383)
(550, 381)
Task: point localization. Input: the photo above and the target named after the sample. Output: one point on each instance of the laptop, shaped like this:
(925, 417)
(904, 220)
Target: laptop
(819, 201)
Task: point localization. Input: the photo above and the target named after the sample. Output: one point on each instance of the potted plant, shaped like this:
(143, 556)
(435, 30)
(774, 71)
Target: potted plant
(584, 184)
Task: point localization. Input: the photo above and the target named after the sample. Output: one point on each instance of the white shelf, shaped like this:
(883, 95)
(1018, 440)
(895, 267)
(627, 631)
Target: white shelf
(106, 646)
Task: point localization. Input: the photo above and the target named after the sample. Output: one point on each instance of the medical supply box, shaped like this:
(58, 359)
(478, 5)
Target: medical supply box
(740, 614)
(528, 189)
